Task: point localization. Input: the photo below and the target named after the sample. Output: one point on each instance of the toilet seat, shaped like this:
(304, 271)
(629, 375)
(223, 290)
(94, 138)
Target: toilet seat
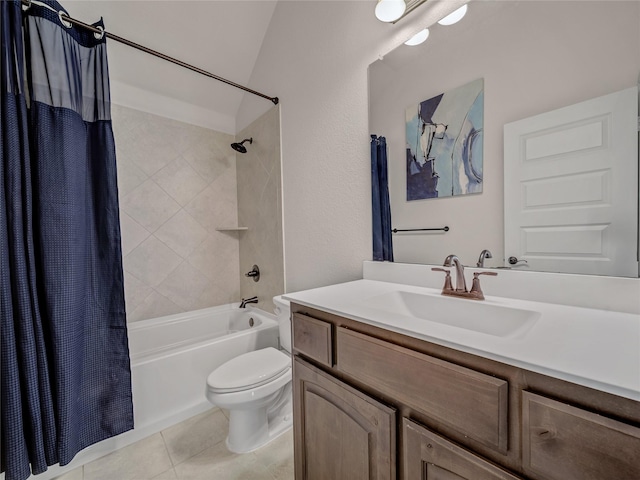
(248, 371)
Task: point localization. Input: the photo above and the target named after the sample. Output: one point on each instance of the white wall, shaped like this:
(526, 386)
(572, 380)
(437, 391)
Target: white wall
(315, 58)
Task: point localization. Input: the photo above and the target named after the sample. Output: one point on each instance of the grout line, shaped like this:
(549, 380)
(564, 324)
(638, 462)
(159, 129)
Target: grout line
(166, 449)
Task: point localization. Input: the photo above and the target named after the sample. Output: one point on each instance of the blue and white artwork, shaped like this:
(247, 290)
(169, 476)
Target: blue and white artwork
(444, 144)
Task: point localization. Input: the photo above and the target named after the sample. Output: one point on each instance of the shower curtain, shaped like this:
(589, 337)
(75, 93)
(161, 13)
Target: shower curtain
(65, 376)
(381, 209)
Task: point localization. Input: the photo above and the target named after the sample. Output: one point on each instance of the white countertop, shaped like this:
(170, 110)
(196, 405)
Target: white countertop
(595, 348)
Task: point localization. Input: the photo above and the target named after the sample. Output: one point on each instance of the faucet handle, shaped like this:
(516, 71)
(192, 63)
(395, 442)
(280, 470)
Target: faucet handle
(493, 274)
(447, 279)
(475, 286)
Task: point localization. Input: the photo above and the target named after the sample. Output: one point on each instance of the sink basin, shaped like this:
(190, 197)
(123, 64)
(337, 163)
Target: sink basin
(478, 316)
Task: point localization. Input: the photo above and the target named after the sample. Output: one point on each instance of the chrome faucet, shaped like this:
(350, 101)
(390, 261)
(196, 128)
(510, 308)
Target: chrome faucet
(484, 254)
(245, 301)
(454, 261)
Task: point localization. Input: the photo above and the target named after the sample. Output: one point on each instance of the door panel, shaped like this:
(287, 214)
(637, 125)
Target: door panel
(571, 186)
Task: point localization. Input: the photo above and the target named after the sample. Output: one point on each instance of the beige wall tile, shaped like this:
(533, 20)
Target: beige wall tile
(216, 205)
(154, 150)
(260, 209)
(149, 205)
(184, 286)
(181, 233)
(218, 256)
(154, 306)
(129, 176)
(152, 261)
(180, 181)
(164, 166)
(208, 159)
(135, 291)
(132, 233)
(197, 184)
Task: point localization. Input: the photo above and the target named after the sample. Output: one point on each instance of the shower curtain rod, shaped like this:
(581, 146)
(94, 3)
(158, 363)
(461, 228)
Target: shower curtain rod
(64, 17)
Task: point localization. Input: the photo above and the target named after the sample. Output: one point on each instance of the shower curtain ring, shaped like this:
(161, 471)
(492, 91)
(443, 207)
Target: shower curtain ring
(99, 36)
(66, 23)
(26, 6)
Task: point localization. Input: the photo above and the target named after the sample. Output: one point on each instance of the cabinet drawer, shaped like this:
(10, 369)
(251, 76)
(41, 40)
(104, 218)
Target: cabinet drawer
(472, 403)
(312, 338)
(428, 456)
(562, 442)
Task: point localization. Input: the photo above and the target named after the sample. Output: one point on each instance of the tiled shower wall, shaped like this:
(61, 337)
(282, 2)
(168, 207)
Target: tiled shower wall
(177, 183)
(260, 209)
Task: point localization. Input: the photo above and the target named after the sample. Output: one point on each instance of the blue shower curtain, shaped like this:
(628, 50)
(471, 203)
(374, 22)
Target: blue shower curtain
(381, 209)
(65, 376)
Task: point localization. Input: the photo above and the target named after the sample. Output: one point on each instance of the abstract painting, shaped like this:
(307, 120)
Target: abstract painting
(444, 144)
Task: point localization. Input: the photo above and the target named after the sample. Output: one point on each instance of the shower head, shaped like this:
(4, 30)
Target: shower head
(239, 147)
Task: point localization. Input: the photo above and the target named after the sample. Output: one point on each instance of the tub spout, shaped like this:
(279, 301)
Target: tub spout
(245, 301)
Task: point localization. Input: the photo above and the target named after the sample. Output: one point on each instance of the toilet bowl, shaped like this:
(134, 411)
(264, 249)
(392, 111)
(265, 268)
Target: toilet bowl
(256, 389)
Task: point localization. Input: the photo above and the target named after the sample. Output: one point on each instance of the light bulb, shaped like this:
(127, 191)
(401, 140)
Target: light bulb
(390, 10)
(418, 38)
(454, 17)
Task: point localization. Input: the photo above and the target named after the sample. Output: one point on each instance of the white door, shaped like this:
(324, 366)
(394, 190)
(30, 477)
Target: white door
(571, 187)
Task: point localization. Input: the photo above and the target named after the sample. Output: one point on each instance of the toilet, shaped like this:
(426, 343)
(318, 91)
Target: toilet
(256, 389)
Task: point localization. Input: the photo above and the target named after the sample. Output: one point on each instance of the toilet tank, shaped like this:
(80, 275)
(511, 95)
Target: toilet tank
(283, 313)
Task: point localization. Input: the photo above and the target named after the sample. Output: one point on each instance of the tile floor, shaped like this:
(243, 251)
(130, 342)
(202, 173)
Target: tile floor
(191, 450)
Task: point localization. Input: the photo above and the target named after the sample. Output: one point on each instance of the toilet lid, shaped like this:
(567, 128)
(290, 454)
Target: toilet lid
(249, 370)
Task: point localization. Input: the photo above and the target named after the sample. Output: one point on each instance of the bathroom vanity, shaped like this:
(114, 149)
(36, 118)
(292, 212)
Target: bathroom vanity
(379, 395)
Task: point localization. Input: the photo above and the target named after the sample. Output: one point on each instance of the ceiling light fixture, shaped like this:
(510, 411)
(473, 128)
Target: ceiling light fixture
(418, 38)
(454, 17)
(390, 10)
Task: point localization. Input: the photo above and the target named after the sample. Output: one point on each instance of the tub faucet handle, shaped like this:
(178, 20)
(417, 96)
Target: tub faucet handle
(254, 273)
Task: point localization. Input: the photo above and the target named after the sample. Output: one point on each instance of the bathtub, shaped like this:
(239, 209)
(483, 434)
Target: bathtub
(171, 358)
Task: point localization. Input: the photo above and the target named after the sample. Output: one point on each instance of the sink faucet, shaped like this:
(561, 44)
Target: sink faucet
(461, 286)
(484, 254)
(454, 261)
(245, 301)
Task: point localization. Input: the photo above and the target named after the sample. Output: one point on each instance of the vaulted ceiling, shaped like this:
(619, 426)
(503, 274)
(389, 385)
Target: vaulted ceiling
(222, 37)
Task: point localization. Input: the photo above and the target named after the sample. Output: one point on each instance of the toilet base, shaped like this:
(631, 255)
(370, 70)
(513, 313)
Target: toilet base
(252, 429)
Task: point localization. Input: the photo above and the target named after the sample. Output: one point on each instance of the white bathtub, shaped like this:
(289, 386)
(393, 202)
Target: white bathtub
(171, 358)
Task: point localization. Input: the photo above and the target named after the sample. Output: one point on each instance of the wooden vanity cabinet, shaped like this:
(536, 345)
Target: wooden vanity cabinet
(562, 442)
(428, 456)
(340, 433)
(373, 404)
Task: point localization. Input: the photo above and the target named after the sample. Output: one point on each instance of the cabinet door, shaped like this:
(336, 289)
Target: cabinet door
(427, 456)
(340, 433)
